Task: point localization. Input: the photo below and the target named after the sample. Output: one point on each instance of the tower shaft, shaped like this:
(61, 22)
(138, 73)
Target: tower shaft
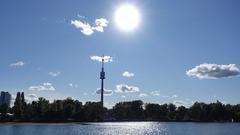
(102, 91)
(102, 77)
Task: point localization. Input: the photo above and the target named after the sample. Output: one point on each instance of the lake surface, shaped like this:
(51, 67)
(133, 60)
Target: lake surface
(122, 128)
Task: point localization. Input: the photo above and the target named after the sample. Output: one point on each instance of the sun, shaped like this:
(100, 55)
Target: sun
(127, 17)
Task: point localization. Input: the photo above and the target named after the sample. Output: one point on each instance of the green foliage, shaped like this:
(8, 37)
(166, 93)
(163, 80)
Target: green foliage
(129, 110)
(4, 109)
(19, 105)
(73, 110)
(93, 111)
(181, 113)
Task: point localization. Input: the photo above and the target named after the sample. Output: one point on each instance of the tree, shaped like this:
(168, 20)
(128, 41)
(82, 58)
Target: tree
(93, 111)
(17, 109)
(73, 110)
(164, 112)
(129, 110)
(79, 113)
(152, 111)
(42, 107)
(171, 111)
(4, 109)
(23, 104)
(69, 107)
(181, 113)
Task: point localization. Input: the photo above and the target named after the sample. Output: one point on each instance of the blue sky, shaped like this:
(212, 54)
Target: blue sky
(181, 51)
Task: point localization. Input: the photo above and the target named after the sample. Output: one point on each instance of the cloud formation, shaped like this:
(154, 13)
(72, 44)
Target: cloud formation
(44, 87)
(99, 58)
(213, 71)
(31, 97)
(17, 64)
(127, 74)
(155, 93)
(143, 95)
(100, 24)
(87, 29)
(73, 85)
(167, 96)
(126, 88)
(54, 74)
(179, 103)
(105, 92)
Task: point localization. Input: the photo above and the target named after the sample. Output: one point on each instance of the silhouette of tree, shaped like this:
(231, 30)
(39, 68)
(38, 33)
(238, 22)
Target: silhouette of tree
(4, 109)
(17, 109)
(129, 110)
(73, 110)
(181, 113)
(171, 111)
(93, 111)
(152, 111)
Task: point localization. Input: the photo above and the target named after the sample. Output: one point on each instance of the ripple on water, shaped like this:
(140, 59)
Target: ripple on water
(122, 128)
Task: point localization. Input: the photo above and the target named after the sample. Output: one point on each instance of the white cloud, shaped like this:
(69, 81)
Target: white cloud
(179, 103)
(17, 64)
(73, 85)
(44, 87)
(87, 29)
(105, 92)
(127, 74)
(108, 104)
(99, 58)
(100, 24)
(155, 93)
(143, 95)
(13, 97)
(126, 88)
(31, 97)
(54, 74)
(213, 71)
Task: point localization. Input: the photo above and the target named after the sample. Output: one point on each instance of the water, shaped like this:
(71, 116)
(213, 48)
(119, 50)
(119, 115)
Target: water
(122, 128)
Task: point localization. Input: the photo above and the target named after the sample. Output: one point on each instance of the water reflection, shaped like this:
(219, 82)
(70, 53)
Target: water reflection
(130, 128)
(122, 128)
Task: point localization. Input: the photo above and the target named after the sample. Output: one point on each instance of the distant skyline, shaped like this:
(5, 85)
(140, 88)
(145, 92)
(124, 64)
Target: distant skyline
(159, 51)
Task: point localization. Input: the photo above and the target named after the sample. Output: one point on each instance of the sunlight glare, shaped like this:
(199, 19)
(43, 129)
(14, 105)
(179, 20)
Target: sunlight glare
(127, 17)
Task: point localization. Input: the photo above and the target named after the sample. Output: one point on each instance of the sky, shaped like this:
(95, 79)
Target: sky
(177, 52)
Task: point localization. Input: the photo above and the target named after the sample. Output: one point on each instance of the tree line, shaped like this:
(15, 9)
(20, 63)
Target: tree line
(73, 110)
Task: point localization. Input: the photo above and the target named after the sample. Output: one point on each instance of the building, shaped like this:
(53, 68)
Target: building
(5, 98)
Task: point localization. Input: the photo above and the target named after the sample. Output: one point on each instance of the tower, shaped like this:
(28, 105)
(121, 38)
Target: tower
(102, 77)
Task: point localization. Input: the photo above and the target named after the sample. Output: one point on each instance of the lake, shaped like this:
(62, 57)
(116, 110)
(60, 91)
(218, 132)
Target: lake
(122, 128)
